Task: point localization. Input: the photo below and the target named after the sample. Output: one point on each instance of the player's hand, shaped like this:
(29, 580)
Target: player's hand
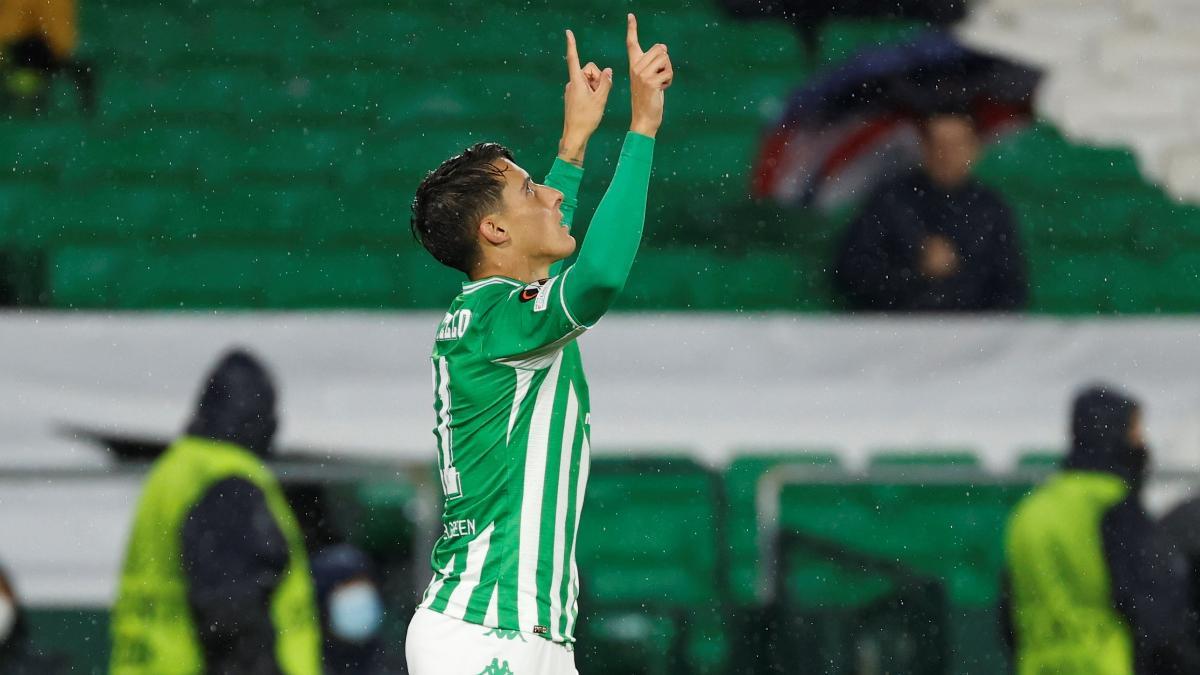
(586, 93)
(650, 73)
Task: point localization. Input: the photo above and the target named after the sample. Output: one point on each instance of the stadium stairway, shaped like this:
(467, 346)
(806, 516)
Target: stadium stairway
(1121, 72)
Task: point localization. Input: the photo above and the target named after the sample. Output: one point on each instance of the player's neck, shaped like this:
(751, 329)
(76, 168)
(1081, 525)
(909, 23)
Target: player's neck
(525, 270)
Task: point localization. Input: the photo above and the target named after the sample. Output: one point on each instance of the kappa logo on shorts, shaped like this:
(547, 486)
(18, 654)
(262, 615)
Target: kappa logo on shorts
(496, 667)
(505, 634)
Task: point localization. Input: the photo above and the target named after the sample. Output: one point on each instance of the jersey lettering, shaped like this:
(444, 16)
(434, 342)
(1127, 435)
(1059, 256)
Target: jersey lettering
(510, 404)
(454, 325)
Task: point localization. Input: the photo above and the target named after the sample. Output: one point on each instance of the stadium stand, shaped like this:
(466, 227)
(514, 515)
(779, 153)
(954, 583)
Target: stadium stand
(294, 134)
(651, 552)
(890, 450)
(1120, 74)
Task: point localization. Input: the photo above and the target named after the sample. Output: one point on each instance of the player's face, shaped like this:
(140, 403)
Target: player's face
(532, 214)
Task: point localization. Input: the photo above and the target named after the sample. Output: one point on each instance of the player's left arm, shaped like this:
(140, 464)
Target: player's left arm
(589, 287)
(584, 98)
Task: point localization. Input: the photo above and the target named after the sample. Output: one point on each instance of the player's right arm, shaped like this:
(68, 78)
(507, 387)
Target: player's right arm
(590, 286)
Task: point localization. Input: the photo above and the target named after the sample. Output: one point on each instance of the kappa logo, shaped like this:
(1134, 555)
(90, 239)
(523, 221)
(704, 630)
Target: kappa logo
(496, 667)
(505, 634)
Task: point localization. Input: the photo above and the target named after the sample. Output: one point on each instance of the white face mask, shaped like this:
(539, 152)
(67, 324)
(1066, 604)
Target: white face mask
(355, 611)
(8, 618)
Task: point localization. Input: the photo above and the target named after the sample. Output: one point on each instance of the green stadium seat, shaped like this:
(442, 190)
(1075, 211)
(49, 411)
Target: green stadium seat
(246, 215)
(149, 154)
(79, 635)
(131, 214)
(266, 34)
(220, 96)
(36, 149)
(413, 102)
(1066, 283)
(23, 204)
(129, 277)
(1041, 459)
(741, 484)
(280, 102)
(343, 99)
(295, 156)
(378, 515)
(88, 277)
(843, 38)
(144, 36)
(947, 529)
(332, 280)
(923, 458)
(746, 104)
(385, 36)
(377, 219)
(650, 544)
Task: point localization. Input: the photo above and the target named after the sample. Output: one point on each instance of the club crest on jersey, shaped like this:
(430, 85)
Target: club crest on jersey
(532, 290)
(539, 290)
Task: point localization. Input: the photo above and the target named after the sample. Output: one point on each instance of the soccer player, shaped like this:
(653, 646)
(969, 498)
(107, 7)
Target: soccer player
(511, 400)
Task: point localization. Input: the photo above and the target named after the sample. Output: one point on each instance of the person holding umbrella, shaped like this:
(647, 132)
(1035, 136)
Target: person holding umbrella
(901, 127)
(935, 239)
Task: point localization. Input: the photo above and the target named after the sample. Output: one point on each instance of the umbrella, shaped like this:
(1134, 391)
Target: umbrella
(850, 128)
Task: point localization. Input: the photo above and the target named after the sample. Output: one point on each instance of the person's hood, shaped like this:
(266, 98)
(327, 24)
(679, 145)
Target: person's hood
(351, 626)
(335, 565)
(1100, 423)
(237, 404)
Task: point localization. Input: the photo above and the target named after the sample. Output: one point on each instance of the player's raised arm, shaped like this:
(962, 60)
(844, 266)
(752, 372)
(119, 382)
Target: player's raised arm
(584, 99)
(586, 93)
(591, 285)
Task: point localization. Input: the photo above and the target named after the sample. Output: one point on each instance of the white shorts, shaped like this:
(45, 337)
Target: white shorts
(439, 645)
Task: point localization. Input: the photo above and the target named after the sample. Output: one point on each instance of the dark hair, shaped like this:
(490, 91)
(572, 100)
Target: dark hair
(452, 199)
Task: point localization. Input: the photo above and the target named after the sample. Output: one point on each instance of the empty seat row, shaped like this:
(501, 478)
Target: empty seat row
(668, 539)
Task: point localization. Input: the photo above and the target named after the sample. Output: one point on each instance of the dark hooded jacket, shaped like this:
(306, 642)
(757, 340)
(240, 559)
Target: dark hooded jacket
(1182, 529)
(234, 554)
(1148, 581)
(878, 265)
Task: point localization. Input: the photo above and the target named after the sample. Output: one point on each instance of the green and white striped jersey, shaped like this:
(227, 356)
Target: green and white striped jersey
(512, 431)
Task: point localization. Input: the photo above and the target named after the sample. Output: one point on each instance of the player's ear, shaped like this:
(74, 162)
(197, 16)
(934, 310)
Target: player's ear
(494, 232)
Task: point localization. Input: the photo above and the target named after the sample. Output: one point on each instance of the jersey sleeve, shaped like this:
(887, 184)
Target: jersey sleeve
(529, 322)
(592, 284)
(566, 178)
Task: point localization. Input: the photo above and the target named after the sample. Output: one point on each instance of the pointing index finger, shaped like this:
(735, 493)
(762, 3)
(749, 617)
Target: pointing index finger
(572, 54)
(631, 37)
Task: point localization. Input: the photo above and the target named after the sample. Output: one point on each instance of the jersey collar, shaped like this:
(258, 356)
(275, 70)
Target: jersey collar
(479, 283)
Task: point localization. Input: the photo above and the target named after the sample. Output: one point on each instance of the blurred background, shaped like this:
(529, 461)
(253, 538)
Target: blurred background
(886, 243)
